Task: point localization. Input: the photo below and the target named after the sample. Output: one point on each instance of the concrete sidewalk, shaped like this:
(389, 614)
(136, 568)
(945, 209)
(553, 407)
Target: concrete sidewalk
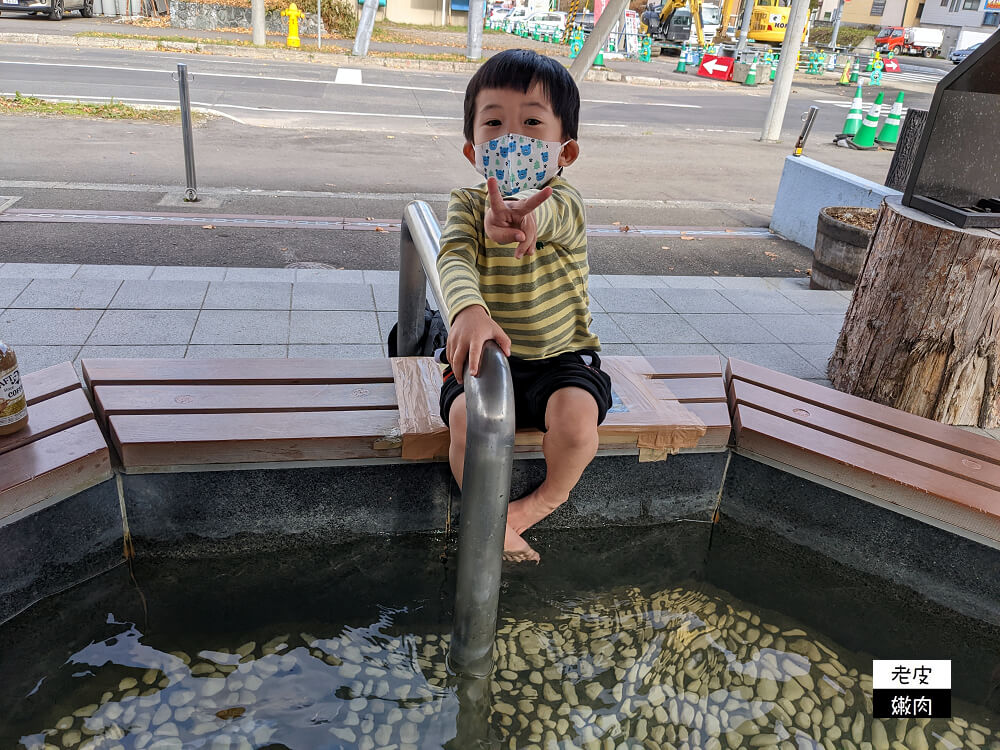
(64, 312)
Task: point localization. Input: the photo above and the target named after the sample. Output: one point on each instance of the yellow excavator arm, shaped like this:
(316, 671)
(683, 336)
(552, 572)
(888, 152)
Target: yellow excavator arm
(669, 6)
(727, 10)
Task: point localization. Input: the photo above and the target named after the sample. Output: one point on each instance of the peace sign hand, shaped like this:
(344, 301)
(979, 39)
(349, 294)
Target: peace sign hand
(512, 221)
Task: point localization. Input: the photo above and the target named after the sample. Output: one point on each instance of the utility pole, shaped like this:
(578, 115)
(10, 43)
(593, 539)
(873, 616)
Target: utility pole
(475, 50)
(744, 26)
(836, 23)
(365, 26)
(786, 71)
(257, 21)
(602, 30)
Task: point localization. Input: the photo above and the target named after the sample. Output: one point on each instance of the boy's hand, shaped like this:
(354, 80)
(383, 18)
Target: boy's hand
(512, 221)
(472, 328)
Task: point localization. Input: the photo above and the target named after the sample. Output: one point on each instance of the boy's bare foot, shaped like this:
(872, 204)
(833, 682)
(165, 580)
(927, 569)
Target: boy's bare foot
(515, 549)
(524, 513)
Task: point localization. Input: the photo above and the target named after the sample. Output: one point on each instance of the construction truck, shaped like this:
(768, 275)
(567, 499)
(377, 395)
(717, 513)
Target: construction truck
(673, 23)
(768, 20)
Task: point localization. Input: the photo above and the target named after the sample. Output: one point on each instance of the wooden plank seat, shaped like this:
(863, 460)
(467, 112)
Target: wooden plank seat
(169, 414)
(60, 453)
(941, 474)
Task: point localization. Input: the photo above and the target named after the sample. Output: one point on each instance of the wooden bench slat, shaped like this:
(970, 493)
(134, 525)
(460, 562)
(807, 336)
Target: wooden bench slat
(49, 416)
(870, 435)
(854, 465)
(689, 390)
(49, 382)
(64, 463)
(249, 371)
(695, 366)
(221, 399)
(715, 416)
(928, 430)
(186, 439)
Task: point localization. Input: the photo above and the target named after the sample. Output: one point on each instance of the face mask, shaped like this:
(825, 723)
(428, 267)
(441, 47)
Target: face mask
(518, 162)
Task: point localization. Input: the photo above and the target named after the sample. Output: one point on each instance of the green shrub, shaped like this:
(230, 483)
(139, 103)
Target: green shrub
(340, 17)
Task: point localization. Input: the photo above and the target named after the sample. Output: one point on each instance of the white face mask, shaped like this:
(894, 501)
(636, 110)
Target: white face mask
(518, 162)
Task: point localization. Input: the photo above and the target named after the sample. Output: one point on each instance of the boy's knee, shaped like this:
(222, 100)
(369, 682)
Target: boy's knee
(457, 421)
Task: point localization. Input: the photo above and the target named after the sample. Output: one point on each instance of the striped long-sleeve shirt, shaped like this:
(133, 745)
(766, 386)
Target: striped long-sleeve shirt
(540, 300)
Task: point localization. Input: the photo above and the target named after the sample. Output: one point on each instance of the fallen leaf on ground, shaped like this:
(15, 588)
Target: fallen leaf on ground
(231, 713)
(208, 226)
(131, 152)
(716, 273)
(369, 218)
(770, 255)
(685, 237)
(754, 200)
(615, 223)
(665, 247)
(623, 228)
(391, 137)
(381, 229)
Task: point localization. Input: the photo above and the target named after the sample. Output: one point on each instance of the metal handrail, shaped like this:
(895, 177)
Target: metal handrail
(489, 450)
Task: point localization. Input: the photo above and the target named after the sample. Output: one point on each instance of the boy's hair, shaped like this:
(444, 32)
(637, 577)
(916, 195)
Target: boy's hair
(520, 69)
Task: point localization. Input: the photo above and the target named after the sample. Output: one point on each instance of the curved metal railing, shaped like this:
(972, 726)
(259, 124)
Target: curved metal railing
(489, 450)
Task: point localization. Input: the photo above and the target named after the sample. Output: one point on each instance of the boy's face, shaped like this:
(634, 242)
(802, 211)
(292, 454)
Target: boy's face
(502, 111)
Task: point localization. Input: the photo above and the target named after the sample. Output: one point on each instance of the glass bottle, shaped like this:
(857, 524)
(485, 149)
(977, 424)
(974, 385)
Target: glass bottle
(13, 406)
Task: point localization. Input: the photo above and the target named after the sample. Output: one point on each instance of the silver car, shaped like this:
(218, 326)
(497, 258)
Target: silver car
(957, 55)
(54, 9)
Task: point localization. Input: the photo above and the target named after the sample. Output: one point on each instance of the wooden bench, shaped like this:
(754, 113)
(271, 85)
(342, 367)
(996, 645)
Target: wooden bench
(172, 414)
(60, 453)
(943, 475)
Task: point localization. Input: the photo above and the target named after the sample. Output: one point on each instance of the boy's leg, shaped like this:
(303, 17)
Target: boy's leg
(515, 549)
(569, 445)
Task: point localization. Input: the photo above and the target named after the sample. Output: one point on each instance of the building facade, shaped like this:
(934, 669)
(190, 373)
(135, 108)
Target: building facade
(964, 22)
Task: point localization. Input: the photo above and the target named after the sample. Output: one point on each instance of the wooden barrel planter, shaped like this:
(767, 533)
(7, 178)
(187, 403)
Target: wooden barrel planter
(842, 237)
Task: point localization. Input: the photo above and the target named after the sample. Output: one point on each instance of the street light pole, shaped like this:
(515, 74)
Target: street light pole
(837, 14)
(602, 29)
(786, 71)
(745, 26)
(364, 34)
(257, 20)
(475, 49)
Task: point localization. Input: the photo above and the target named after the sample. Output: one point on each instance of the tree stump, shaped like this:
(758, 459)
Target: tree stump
(922, 331)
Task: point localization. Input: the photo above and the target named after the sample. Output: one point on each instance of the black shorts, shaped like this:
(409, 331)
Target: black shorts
(537, 379)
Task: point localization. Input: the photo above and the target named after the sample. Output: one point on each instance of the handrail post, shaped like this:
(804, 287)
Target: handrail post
(489, 450)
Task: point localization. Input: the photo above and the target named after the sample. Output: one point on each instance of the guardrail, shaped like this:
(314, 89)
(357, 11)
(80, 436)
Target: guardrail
(489, 450)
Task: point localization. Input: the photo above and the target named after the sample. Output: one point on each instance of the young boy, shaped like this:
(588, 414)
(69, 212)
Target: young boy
(513, 267)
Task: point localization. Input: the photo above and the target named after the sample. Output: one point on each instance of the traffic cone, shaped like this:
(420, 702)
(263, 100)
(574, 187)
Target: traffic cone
(865, 139)
(845, 77)
(774, 70)
(888, 136)
(682, 63)
(751, 79)
(599, 60)
(853, 122)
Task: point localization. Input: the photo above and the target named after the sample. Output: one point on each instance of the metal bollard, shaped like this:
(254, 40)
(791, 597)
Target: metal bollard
(191, 194)
(807, 122)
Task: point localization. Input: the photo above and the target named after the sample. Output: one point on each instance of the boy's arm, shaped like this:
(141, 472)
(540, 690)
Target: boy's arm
(561, 219)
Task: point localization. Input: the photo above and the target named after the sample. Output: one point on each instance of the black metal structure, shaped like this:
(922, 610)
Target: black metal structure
(956, 172)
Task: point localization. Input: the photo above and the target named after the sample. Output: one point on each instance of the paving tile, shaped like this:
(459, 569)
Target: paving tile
(778, 357)
(10, 288)
(818, 301)
(597, 281)
(144, 327)
(697, 301)
(45, 327)
(337, 351)
(80, 294)
(743, 282)
(677, 350)
(613, 299)
(635, 282)
(692, 282)
(312, 296)
(329, 275)
(241, 327)
(326, 327)
(818, 355)
(607, 330)
(33, 358)
(38, 270)
(189, 273)
(236, 351)
(846, 293)
(619, 350)
(800, 329)
(159, 294)
(386, 296)
(798, 283)
(248, 295)
(381, 277)
(133, 351)
(113, 272)
(665, 328)
(260, 274)
(729, 328)
(757, 301)
(821, 381)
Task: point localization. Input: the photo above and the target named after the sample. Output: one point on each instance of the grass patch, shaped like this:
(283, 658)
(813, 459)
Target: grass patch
(31, 105)
(849, 36)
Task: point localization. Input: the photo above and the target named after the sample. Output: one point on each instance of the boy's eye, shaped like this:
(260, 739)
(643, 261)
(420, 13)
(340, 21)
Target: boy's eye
(492, 123)
(532, 121)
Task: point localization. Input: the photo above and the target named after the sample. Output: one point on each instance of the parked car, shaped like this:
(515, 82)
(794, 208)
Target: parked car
(584, 21)
(54, 9)
(514, 17)
(547, 22)
(958, 55)
(498, 13)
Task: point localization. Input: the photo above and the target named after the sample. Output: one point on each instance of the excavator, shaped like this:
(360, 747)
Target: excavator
(669, 23)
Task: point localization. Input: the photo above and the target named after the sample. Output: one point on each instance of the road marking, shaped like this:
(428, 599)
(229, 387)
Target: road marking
(254, 221)
(669, 104)
(6, 201)
(349, 76)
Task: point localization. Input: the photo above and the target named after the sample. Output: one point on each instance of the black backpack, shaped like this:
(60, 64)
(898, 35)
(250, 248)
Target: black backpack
(434, 337)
